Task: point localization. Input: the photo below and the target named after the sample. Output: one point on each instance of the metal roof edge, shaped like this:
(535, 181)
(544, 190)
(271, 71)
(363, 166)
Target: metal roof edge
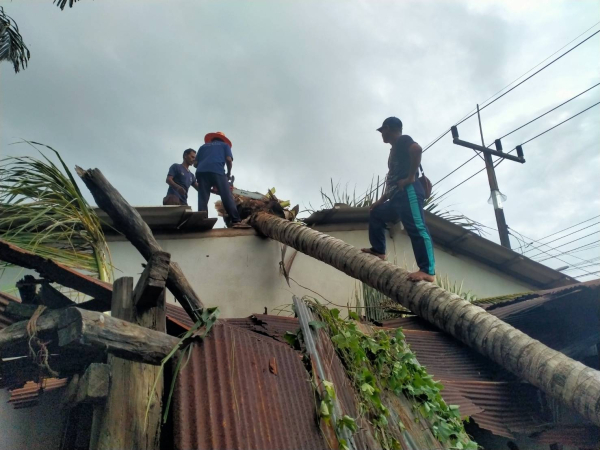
(458, 240)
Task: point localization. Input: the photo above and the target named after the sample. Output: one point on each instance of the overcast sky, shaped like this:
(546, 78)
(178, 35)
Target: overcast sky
(299, 87)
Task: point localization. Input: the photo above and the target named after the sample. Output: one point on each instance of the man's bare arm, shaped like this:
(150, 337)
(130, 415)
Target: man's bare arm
(414, 151)
(174, 185)
(229, 163)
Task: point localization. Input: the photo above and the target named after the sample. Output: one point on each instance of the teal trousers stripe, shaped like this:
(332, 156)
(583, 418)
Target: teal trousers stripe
(418, 220)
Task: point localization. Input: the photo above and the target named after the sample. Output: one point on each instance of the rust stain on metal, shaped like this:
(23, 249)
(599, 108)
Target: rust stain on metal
(226, 396)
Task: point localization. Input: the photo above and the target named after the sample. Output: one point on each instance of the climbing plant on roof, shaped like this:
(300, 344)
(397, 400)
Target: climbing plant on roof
(382, 362)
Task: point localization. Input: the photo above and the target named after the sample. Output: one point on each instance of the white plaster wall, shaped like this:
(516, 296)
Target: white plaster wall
(37, 428)
(240, 274)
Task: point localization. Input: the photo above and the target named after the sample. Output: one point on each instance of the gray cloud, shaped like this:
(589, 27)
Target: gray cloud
(300, 88)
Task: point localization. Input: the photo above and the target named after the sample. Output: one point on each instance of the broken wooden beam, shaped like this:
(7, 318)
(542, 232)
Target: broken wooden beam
(56, 272)
(74, 328)
(128, 221)
(151, 285)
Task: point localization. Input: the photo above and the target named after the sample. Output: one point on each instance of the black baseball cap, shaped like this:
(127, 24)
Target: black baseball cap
(391, 122)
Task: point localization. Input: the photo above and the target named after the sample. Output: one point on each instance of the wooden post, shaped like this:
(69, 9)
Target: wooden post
(121, 422)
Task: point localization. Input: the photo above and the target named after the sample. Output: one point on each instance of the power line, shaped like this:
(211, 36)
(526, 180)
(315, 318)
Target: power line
(559, 124)
(588, 274)
(509, 84)
(567, 243)
(529, 77)
(551, 256)
(551, 248)
(568, 228)
(566, 235)
(500, 159)
(548, 112)
(522, 126)
(427, 147)
(566, 253)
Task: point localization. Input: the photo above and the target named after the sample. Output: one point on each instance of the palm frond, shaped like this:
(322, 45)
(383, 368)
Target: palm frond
(62, 3)
(12, 47)
(43, 211)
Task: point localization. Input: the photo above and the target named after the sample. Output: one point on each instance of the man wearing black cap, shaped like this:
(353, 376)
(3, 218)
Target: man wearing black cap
(403, 200)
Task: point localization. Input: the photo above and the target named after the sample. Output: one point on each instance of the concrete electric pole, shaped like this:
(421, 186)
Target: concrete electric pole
(489, 165)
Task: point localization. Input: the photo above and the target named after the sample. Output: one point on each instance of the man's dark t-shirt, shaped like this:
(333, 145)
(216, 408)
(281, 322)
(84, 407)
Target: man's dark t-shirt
(183, 177)
(211, 157)
(398, 163)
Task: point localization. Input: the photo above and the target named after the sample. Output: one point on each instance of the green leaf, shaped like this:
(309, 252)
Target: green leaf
(368, 389)
(324, 409)
(316, 324)
(353, 316)
(329, 388)
(349, 423)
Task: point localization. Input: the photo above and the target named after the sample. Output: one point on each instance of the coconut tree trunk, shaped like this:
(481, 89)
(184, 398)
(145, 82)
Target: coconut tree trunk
(559, 376)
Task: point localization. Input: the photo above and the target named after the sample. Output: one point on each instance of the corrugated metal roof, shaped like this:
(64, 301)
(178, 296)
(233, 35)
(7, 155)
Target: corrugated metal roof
(4, 300)
(268, 325)
(28, 395)
(241, 390)
(484, 391)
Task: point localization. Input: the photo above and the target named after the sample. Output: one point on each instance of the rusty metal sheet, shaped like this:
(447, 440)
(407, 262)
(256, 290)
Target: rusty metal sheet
(229, 397)
(28, 395)
(494, 398)
(269, 325)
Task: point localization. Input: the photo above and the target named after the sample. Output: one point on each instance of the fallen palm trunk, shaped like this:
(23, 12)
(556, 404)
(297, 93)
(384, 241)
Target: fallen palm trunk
(129, 222)
(559, 376)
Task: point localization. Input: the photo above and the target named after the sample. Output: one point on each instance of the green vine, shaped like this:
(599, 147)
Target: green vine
(383, 361)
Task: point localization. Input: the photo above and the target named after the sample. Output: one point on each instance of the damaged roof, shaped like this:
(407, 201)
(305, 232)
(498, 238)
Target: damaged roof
(494, 399)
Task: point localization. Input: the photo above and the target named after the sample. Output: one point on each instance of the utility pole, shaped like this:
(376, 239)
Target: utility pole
(491, 173)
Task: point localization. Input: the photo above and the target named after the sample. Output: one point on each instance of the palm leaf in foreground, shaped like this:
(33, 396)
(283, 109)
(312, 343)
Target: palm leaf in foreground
(43, 211)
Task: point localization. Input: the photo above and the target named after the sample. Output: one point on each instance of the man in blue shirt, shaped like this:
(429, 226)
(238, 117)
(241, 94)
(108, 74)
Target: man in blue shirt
(180, 179)
(210, 164)
(403, 200)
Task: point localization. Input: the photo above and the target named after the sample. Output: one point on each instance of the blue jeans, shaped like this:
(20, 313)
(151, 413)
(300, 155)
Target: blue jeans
(407, 206)
(206, 180)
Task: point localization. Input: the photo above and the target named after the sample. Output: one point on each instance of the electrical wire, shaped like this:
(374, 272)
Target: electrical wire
(551, 256)
(500, 159)
(549, 246)
(516, 129)
(568, 228)
(566, 253)
(567, 243)
(566, 235)
(529, 77)
(468, 115)
(427, 147)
